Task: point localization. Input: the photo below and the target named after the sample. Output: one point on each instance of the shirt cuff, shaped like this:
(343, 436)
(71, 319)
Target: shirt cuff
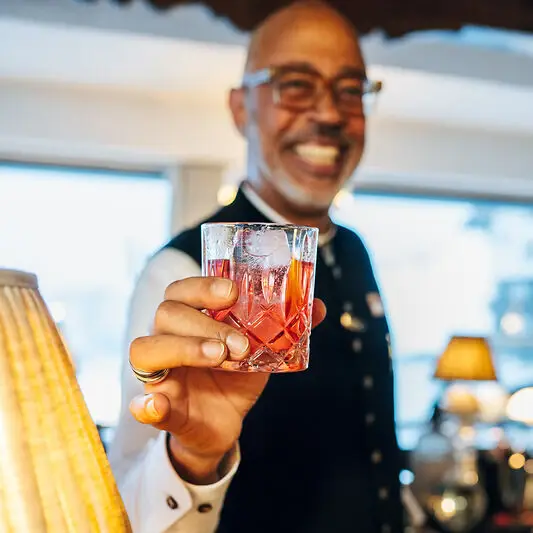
(214, 494)
(165, 498)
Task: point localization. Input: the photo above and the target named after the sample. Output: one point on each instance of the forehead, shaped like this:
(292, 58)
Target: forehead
(328, 47)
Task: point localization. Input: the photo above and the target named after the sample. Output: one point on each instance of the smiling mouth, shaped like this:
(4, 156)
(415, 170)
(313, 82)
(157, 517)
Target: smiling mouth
(320, 159)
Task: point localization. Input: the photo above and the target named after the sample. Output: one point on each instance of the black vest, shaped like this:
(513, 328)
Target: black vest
(319, 450)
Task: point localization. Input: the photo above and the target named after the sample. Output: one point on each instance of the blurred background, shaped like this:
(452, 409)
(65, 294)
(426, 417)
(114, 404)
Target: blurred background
(114, 135)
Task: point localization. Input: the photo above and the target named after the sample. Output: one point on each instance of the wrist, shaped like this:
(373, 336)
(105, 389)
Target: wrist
(194, 468)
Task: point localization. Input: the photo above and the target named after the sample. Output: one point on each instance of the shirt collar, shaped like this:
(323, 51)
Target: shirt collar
(274, 216)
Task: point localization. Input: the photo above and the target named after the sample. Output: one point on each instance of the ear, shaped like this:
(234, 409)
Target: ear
(238, 109)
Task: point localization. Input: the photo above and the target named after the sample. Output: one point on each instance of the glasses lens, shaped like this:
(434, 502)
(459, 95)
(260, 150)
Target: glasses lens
(349, 94)
(297, 89)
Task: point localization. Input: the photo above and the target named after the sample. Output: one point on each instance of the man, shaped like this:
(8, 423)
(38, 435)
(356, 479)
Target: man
(309, 452)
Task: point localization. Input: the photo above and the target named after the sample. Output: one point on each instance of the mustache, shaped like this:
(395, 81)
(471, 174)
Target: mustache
(324, 132)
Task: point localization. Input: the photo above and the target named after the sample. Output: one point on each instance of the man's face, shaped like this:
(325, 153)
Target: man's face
(306, 154)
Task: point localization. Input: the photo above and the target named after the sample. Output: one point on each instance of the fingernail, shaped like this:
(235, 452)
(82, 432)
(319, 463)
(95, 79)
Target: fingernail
(213, 350)
(237, 343)
(222, 288)
(149, 406)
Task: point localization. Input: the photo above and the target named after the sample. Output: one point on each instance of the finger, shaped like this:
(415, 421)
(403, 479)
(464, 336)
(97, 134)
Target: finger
(171, 351)
(150, 408)
(319, 312)
(203, 292)
(176, 318)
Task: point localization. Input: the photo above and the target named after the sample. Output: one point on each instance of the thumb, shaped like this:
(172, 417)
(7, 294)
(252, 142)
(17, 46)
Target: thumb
(150, 408)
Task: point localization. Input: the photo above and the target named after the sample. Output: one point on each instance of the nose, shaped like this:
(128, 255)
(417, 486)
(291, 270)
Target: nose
(327, 112)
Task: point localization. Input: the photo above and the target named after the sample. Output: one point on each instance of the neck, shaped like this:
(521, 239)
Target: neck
(318, 218)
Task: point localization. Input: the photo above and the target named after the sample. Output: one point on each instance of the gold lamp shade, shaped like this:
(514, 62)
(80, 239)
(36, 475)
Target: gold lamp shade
(466, 359)
(54, 473)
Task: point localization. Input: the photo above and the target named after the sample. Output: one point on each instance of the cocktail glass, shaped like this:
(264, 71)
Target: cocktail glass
(273, 266)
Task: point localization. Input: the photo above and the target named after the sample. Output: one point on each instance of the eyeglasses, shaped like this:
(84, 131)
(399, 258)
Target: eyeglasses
(300, 88)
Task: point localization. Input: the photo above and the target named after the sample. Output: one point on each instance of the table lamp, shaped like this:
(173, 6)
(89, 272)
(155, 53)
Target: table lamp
(54, 474)
(461, 502)
(466, 359)
(520, 406)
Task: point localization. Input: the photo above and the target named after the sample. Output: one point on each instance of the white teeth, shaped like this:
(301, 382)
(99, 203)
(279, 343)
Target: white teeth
(317, 154)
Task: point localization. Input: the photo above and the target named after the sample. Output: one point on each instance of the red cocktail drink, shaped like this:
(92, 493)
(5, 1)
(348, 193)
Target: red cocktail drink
(274, 268)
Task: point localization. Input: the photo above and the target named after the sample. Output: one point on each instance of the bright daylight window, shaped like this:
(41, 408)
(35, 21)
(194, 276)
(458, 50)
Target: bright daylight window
(86, 234)
(445, 267)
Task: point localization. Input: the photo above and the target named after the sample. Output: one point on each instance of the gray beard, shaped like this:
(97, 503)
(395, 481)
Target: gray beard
(295, 194)
(301, 197)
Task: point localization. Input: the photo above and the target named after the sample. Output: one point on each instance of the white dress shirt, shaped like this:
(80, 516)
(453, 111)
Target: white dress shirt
(156, 499)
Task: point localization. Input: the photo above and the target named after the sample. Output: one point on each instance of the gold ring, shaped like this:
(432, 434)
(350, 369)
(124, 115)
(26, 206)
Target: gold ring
(150, 377)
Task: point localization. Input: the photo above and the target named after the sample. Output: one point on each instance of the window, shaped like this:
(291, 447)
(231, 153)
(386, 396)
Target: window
(445, 267)
(86, 234)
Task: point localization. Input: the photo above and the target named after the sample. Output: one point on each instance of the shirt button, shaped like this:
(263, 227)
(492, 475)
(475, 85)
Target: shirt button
(376, 457)
(370, 418)
(172, 503)
(205, 508)
(383, 493)
(357, 345)
(368, 382)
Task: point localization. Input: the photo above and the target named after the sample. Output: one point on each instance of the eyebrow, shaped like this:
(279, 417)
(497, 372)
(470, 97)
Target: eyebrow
(303, 66)
(356, 72)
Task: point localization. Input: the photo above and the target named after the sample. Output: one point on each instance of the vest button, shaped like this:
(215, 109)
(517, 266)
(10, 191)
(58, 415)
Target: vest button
(383, 493)
(357, 345)
(389, 345)
(172, 503)
(205, 508)
(368, 382)
(352, 323)
(370, 418)
(376, 457)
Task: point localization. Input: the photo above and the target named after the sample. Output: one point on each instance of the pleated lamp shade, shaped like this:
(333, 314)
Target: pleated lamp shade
(466, 359)
(54, 473)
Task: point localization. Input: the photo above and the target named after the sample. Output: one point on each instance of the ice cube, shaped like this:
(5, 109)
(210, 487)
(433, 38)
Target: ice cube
(272, 244)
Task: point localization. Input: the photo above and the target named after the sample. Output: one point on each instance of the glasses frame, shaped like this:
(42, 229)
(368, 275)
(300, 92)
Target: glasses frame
(266, 76)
